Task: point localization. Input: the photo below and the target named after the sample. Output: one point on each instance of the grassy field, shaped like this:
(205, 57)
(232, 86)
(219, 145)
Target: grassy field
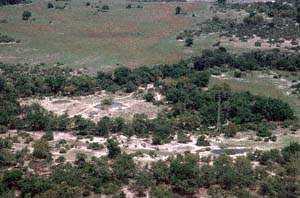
(78, 36)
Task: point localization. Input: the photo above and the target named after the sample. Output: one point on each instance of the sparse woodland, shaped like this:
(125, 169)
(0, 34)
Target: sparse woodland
(192, 108)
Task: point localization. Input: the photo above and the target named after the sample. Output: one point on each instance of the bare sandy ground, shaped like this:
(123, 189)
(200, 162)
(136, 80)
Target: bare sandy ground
(124, 105)
(148, 153)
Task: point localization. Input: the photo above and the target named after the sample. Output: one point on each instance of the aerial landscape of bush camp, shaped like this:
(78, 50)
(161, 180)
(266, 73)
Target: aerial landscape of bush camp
(149, 98)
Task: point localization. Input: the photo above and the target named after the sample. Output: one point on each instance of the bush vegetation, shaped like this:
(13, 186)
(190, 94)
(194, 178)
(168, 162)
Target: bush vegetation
(274, 21)
(191, 108)
(179, 177)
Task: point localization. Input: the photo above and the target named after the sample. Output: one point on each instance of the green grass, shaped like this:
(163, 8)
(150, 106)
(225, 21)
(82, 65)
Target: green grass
(79, 38)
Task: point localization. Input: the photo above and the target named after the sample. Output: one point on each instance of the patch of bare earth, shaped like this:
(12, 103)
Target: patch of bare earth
(124, 105)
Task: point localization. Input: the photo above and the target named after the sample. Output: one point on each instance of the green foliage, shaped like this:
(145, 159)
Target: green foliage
(202, 142)
(48, 136)
(3, 129)
(107, 101)
(105, 7)
(84, 126)
(161, 192)
(189, 121)
(178, 10)
(275, 22)
(26, 15)
(50, 5)
(11, 178)
(113, 148)
(140, 126)
(182, 137)
(180, 176)
(143, 182)
(149, 97)
(189, 42)
(160, 171)
(263, 131)
(226, 173)
(10, 2)
(237, 74)
(253, 19)
(184, 176)
(32, 186)
(254, 60)
(7, 158)
(123, 168)
(161, 133)
(41, 149)
(221, 1)
(231, 130)
(62, 190)
(81, 158)
(104, 126)
(7, 39)
(60, 159)
(118, 125)
(36, 117)
(95, 146)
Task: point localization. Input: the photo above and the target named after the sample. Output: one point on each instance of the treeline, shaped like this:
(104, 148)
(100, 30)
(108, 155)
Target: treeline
(255, 60)
(43, 81)
(275, 175)
(10, 2)
(158, 0)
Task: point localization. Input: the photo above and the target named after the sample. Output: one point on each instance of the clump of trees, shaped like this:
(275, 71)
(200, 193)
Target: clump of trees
(50, 5)
(41, 149)
(255, 60)
(201, 141)
(26, 15)
(105, 7)
(272, 21)
(178, 10)
(7, 39)
(10, 2)
(189, 42)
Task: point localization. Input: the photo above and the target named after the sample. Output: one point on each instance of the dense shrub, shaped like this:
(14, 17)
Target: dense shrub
(26, 15)
(189, 42)
(50, 5)
(202, 142)
(105, 7)
(41, 149)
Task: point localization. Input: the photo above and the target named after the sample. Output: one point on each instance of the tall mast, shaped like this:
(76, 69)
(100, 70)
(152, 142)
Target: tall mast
(219, 112)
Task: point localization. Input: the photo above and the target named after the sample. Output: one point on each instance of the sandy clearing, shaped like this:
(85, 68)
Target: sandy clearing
(124, 105)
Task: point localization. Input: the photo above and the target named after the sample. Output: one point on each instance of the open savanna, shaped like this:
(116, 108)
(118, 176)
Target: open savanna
(79, 36)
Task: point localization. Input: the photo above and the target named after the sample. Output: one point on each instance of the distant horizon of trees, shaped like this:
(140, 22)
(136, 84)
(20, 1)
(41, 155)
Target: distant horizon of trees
(10, 2)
